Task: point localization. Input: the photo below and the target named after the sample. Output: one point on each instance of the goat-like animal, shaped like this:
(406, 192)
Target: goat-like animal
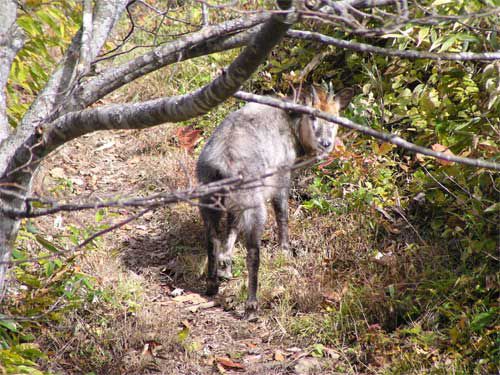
(250, 142)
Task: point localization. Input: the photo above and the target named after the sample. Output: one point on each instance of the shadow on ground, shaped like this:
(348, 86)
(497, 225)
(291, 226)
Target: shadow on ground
(168, 247)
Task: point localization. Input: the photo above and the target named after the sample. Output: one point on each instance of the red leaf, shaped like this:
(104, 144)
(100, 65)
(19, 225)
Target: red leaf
(226, 362)
(326, 163)
(188, 137)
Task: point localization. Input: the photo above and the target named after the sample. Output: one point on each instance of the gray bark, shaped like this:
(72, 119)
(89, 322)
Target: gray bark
(11, 40)
(48, 124)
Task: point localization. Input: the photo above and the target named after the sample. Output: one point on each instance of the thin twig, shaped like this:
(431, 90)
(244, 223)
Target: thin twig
(387, 137)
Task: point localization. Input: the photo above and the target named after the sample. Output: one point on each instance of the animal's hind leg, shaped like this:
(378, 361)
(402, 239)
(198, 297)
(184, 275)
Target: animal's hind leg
(253, 227)
(225, 257)
(280, 205)
(212, 219)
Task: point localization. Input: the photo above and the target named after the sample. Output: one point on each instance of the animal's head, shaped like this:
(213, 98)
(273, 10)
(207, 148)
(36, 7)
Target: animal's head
(316, 135)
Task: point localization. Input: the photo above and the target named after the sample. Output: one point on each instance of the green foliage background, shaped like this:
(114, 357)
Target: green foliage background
(440, 310)
(454, 208)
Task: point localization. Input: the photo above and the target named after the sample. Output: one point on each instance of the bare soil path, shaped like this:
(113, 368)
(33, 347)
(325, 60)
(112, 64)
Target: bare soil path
(179, 330)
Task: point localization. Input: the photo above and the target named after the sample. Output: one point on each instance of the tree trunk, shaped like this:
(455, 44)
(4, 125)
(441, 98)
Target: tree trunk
(40, 133)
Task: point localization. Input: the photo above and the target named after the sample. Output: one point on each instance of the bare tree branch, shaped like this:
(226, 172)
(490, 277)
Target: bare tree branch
(407, 54)
(386, 137)
(61, 80)
(203, 40)
(32, 140)
(173, 109)
(31, 205)
(345, 13)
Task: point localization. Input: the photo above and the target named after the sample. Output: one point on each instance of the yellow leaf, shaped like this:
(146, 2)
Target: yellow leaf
(385, 148)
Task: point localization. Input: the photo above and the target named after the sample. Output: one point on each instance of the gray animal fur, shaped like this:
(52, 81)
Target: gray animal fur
(250, 142)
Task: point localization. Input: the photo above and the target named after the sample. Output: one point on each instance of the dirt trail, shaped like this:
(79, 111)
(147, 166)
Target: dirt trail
(165, 248)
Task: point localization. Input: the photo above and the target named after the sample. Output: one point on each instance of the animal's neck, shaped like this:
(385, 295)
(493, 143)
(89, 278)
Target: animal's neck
(299, 147)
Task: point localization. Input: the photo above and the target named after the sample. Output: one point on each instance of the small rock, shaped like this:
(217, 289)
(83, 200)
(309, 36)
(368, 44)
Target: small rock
(177, 292)
(308, 366)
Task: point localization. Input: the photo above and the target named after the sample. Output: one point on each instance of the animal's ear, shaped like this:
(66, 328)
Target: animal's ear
(343, 98)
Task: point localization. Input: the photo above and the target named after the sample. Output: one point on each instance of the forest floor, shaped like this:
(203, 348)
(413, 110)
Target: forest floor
(159, 321)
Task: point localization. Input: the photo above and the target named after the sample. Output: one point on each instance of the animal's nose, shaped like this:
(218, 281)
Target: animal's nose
(325, 143)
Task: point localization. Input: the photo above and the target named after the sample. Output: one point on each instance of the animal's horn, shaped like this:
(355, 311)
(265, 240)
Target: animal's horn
(330, 92)
(315, 98)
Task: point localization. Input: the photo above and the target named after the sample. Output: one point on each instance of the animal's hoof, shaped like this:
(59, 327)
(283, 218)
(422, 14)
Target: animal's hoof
(251, 316)
(212, 288)
(251, 311)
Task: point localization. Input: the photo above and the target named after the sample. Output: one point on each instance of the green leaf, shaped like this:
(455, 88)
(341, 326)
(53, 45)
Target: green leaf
(448, 43)
(9, 324)
(48, 268)
(442, 2)
(47, 244)
(29, 350)
(423, 33)
(482, 320)
(30, 228)
(392, 291)
(99, 215)
(318, 350)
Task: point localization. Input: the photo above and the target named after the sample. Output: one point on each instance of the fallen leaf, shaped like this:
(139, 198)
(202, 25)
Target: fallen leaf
(201, 306)
(188, 137)
(145, 350)
(326, 163)
(383, 149)
(374, 327)
(331, 296)
(333, 354)
(226, 362)
(220, 368)
(251, 345)
(105, 146)
(279, 356)
(338, 144)
(445, 150)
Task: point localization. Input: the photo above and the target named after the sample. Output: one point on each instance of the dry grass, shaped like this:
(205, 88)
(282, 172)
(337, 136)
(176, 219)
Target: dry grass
(333, 292)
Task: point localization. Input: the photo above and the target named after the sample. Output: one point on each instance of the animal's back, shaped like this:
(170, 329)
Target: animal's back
(248, 142)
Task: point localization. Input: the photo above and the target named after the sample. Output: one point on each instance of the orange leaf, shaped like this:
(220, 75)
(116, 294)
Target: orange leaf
(226, 362)
(279, 356)
(188, 137)
(445, 150)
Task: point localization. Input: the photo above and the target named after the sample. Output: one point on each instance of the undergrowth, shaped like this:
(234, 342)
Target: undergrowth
(397, 265)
